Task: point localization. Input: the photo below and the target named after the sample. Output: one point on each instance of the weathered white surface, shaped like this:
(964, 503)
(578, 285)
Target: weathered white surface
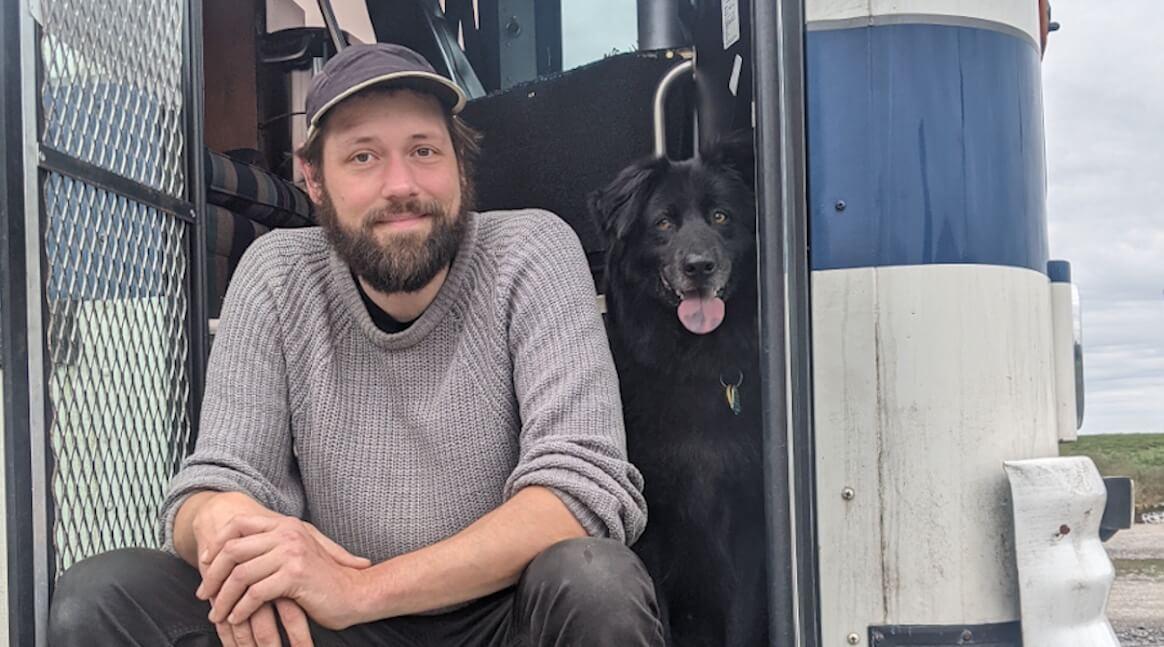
(927, 378)
(1021, 15)
(1063, 324)
(1064, 572)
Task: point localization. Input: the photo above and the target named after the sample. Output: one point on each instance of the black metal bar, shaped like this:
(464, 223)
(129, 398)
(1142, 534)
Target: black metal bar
(196, 316)
(548, 19)
(799, 303)
(20, 583)
(778, 64)
(1003, 634)
(659, 25)
(452, 56)
(337, 36)
(58, 162)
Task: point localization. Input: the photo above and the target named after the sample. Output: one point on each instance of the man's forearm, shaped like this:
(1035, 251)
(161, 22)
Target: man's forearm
(486, 557)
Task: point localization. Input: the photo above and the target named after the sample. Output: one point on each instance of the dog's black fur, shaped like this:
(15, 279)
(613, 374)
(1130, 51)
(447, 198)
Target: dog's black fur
(704, 542)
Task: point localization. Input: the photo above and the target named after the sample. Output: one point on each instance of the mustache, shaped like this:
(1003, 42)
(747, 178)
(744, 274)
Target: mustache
(396, 207)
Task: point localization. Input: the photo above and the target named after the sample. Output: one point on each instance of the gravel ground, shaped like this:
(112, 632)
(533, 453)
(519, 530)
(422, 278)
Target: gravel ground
(1136, 605)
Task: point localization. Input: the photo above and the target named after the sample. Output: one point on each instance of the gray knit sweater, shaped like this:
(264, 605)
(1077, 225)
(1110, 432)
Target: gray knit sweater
(392, 442)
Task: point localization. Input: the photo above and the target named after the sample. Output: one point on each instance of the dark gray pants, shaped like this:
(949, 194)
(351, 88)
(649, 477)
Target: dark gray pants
(586, 592)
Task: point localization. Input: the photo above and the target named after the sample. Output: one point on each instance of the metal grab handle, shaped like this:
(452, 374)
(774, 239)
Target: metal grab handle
(686, 67)
(337, 36)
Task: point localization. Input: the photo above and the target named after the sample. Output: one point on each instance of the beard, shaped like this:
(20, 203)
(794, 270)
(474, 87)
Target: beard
(404, 262)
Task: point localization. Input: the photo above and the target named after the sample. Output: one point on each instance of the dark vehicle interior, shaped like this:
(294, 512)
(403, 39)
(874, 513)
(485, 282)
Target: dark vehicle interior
(564, 99)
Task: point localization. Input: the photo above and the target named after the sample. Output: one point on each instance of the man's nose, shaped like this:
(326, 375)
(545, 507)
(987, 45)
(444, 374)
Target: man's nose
(398, 180)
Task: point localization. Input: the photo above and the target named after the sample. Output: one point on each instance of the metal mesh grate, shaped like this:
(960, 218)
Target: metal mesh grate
(112, 92)
(118, 385)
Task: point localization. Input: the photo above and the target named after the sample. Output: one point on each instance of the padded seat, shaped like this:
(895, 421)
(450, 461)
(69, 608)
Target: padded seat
(243, 203)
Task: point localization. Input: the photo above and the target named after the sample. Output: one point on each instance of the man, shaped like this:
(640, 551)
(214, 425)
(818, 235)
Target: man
(431, 387)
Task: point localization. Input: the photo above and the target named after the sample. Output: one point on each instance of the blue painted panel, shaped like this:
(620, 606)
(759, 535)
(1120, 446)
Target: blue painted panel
(1059, 271)
(932, 138)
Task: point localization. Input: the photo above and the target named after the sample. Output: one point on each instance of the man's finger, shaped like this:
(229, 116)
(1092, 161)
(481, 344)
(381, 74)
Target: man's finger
(225, 634)
(234, 552)
(240, 579)
(242, 634)
(294, 623)
(337, 552)
(264, 628)
(238, 526)
(258, 594)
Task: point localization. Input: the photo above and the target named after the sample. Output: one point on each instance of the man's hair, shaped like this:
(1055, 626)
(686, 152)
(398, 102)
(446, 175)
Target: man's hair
(466, 139)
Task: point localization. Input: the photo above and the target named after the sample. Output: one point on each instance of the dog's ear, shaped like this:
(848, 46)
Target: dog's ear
(736, 151)
(616, 206)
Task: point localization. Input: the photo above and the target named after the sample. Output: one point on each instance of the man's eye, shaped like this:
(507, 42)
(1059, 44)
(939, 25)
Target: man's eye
(362, 158)
(720, 218)
(664, 224)
(425, 151)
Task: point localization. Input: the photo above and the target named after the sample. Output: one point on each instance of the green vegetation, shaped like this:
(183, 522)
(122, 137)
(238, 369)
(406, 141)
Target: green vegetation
(1153, 568)
(1140, 456)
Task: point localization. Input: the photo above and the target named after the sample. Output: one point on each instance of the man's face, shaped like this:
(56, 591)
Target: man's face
(389, 189)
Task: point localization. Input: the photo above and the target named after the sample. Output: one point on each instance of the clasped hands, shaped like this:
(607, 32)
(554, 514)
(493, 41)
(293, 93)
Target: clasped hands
(255, 565)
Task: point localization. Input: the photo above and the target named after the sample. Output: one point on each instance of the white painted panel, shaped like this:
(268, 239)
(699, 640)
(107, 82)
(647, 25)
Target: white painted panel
(352, 16)
(283, 14)
(927, 378)
(1021, 15)
(1065, 575)
(1063, 322)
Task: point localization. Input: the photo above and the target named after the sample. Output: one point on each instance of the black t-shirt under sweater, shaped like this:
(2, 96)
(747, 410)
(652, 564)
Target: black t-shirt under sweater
(383, 320)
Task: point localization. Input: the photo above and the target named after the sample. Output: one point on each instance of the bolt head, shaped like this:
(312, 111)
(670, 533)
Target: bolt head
(840, 205)
(848, 494)
(854, 639)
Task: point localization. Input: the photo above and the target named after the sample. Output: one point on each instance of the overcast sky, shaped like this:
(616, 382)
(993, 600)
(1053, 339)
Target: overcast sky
(1103, 81)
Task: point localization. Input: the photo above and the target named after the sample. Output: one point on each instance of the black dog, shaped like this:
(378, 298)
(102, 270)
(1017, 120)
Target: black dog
(681, 303)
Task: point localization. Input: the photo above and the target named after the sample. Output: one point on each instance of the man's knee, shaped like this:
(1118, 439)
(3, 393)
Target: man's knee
(589, 571)
(93, 590)
(589, 592)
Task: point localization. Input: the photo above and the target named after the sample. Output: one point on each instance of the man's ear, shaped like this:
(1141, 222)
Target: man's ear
(310, 180)
(616, 206)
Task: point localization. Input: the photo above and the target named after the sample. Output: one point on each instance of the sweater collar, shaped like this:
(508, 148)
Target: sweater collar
(447, 296)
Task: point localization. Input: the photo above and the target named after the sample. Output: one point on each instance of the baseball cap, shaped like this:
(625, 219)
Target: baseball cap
(361, 66)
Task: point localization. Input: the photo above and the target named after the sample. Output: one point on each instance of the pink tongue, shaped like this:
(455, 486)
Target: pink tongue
(701, 315)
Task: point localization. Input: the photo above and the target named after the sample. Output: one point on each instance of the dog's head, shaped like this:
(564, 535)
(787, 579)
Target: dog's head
(683, 233)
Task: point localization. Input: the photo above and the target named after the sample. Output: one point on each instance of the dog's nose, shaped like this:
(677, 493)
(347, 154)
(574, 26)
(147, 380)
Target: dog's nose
(696, 265)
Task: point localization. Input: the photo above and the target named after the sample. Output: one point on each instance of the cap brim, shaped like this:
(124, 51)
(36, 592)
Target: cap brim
(444, 89)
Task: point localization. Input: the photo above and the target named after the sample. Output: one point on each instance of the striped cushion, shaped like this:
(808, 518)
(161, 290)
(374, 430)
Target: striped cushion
(253, 192)
(227, 236)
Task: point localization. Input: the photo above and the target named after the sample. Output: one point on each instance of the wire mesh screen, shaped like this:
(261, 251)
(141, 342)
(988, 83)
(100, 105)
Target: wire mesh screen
(117, 270)
(112, 90)
(118, 383)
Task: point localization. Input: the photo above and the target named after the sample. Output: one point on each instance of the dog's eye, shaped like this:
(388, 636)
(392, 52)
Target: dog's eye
(664, 224)
(719, 217)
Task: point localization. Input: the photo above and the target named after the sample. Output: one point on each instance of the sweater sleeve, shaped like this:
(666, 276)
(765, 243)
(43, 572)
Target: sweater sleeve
(572, 437)
(244, 440)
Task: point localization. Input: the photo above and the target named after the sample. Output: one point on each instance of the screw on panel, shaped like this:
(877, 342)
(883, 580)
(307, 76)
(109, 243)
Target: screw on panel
(848, 494)
(513, 28)
(854, 639)
(967, 636)
(840, 206)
